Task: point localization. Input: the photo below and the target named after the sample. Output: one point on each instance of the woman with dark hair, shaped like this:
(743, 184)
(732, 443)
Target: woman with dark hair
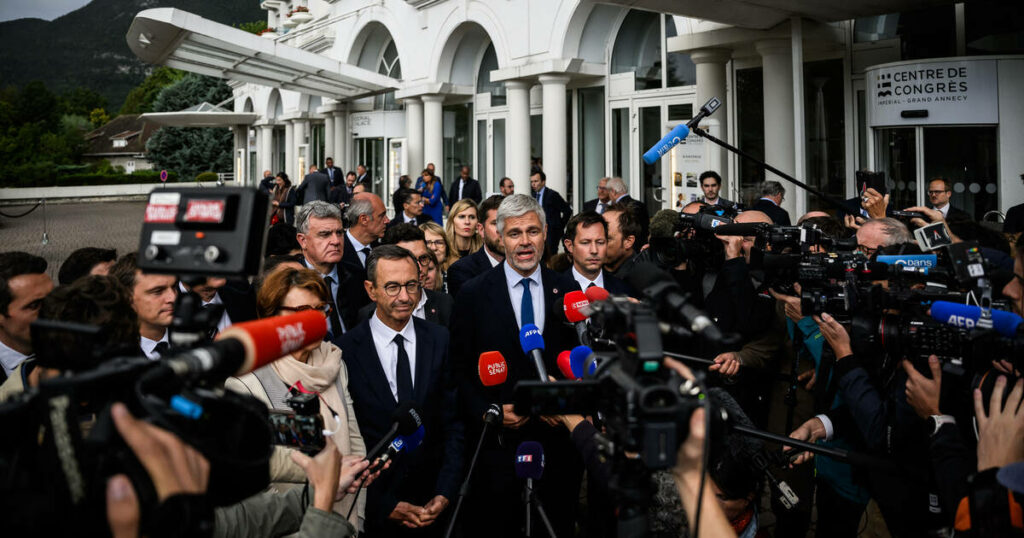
(432, 191)
(318, 368)
(283, 199)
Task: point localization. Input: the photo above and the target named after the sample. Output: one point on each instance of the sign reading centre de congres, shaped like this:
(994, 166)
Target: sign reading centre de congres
(926, 93)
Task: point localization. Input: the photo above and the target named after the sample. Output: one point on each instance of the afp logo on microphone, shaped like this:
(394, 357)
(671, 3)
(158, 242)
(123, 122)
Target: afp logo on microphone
(531, 333)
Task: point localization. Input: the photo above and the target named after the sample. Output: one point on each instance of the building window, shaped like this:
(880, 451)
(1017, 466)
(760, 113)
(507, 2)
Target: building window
(994, 27)
(120, 143)
(925, 33)
(638, 49)
(390, 66)
(750, 130)
(483, 79)
(591, 132)
(457, 132)
(967, 157)
(681, 70)
(824, 129)
(620, 144)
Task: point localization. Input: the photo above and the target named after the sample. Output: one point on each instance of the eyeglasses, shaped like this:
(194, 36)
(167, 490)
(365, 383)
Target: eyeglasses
(323, 307)
(867, 251)
(392, 289)
(435, 243)
(424, 260)
(932, 193)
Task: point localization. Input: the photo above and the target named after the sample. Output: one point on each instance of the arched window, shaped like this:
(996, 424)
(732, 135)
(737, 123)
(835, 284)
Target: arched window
(638, 49)
(391, 66)
(483, 80)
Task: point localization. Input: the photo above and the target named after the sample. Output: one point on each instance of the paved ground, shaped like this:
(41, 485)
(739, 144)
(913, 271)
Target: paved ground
(71, 226)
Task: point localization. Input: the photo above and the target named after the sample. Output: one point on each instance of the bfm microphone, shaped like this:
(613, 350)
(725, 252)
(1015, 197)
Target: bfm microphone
(492, 368)
(578, 360)
(573, 302)
(530, 460)
(596, 294)
(680, 132)
(405, 420)
(533, 343)
(966, 316)
(565, 365)
(403, 443)
(247, 346)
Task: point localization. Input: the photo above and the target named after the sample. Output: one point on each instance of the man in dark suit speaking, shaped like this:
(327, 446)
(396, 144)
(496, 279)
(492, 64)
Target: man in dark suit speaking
(490, 311)
(394, 357)
(586, 240)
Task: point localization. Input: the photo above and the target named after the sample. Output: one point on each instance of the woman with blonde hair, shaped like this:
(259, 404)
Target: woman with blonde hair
(437, 242)
(462, 231)
(318, 368)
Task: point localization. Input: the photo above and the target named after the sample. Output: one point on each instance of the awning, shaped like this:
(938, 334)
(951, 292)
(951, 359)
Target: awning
(764, 14)
(202, 115)
(179, 39)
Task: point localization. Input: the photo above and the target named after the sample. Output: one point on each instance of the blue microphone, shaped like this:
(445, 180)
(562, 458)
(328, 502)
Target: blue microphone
(406, 443)
(674, 137)
(530, 460)
(532, 343)
(578, 359)
(966, 316)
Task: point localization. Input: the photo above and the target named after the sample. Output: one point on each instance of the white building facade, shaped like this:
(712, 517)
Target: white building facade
(587, 87)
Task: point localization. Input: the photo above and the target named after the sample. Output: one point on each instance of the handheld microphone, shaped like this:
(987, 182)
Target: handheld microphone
(533, 343)
(578, 360)
(492, 368)
(530, 460)
(596, 294)
(493, 415)
(573, 302)
(406, 443)
(565, 365)
(248, 346)
(966, 316)
(405, 420)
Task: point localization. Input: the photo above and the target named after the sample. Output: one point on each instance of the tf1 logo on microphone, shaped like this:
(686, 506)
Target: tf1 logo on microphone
(291, 337)
(524, 458)
(496, 368)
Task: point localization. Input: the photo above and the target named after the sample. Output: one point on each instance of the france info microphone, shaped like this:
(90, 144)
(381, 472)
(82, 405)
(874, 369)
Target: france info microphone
(572, 304)
(403, 443)
(596, 294)
(680, 132)
(578, 360)
(966, 316)
(405, 420)
(492, 368)
(530, 460)
(533, 343)
(247, 346)
(565, 365)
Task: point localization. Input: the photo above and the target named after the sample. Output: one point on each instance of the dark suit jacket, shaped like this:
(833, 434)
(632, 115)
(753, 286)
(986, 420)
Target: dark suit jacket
(314, 187)
(778, 215)
(483, 320)
(466, 269)
(437, 309)
(642, 217)
(239, 299)
(613, 285)
(471, 190)
(591, 205)
(557, 212)
(367, 179)
(352, 292)
(399, 220)
(339, 175)
(435, 467)
(957, 214)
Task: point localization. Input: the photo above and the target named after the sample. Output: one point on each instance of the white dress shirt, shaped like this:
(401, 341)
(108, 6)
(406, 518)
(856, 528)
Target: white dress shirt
(585, 282)
(494, 261)
(461, 185)
(387, 350)
(421, 311)
(359, 247)
(515, 293)
(10, 359)
(149, 346)
(225, 320)
(944, 210)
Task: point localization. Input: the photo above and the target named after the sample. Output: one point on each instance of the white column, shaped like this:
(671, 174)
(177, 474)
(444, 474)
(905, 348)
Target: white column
(433, 133)
(554, 138)
(289, 149)
(799, 153)
(711, 81)
(329, 138)
(517, 159)
(301, 130)
(267, 149)
(777, 65)
(414, 136)
(341, 140)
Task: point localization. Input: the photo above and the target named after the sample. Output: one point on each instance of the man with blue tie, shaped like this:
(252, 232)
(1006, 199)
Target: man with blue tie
(489, 313)
(393, 358)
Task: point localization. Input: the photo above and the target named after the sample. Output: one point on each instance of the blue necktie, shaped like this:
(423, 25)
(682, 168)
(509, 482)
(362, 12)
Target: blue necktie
(526, 307)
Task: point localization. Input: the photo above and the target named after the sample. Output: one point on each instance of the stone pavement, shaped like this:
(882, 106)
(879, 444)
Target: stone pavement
(70, 226)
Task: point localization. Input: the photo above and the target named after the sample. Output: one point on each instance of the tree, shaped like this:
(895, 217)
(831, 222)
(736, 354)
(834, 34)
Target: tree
(191, 150)
(140, 99)
(98, 117)
(252, 27)
(81, 102)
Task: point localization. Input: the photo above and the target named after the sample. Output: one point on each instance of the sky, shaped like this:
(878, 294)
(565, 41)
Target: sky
(39, 9)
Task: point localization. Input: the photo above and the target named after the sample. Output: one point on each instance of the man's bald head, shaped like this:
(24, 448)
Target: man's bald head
(753, 216)
(811, 215)
(692, 208)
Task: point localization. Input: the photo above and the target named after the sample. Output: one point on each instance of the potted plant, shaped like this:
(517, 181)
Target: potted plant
(269, 33)
(300, 15)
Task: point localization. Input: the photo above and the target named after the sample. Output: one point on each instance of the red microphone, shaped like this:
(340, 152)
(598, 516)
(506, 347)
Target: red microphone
(596, 294)
(573, 302)
(492, 368)
(565, 364)
(248, 346)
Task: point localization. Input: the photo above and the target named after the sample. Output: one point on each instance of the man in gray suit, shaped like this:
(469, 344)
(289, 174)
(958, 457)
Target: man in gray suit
(314, 186)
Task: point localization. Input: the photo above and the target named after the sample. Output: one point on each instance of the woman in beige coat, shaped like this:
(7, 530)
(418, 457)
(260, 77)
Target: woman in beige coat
(320, 369)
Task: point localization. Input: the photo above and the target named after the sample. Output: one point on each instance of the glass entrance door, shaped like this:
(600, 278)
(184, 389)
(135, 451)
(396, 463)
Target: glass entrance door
(650, 174)
(897, 158)
(370, 153)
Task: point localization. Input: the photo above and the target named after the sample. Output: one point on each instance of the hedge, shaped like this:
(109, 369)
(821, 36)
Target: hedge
(89, 178)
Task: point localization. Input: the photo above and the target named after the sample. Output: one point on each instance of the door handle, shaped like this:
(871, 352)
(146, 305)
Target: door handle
(656, 192)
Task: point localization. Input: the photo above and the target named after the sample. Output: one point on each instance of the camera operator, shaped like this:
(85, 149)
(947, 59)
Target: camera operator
(730, 294)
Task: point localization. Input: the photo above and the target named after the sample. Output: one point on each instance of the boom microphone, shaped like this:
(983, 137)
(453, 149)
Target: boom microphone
(533, 343)
(966, 316)
(492, 368)
(680, 132)
(405, 420)
(248, 346)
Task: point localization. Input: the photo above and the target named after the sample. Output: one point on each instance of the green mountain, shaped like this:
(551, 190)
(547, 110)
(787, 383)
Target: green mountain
(87, 46)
